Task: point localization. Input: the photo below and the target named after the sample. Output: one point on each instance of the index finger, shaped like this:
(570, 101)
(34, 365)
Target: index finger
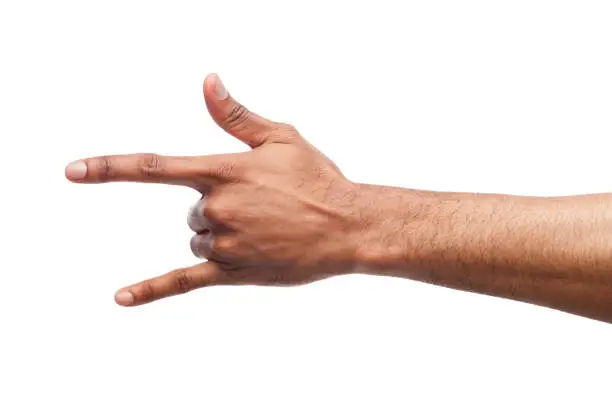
(151, 168)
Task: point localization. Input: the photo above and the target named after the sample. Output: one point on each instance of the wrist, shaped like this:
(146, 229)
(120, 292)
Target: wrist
(388, 221)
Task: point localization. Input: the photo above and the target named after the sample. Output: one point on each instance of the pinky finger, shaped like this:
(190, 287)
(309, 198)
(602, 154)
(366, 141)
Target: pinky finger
(173, 283)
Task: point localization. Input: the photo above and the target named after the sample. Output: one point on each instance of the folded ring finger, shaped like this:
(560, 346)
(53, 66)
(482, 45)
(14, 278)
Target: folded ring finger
(196, 219)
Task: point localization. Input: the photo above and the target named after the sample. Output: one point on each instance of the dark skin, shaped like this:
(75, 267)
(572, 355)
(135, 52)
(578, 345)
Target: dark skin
(284, 214)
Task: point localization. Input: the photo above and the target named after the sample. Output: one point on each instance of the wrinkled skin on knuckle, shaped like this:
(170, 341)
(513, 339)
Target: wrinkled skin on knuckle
(104, 168)
(227, 171)
(151, 165)
(224, 170)
(183, 281)
(283, 133)
(236, 118)
(290, 132)
(145, 291)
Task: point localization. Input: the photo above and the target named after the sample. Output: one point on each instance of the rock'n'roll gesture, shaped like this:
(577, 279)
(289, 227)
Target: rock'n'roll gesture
(283, 214)
(278, 214)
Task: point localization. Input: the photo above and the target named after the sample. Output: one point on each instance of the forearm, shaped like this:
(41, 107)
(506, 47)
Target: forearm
(555, 252)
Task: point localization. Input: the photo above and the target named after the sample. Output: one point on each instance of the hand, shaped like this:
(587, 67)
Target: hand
(280, 214)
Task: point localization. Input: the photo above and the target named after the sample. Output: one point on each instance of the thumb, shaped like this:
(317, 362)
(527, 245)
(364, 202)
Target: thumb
(238, 121)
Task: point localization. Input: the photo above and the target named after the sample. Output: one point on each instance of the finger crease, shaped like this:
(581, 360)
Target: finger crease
(238, 115)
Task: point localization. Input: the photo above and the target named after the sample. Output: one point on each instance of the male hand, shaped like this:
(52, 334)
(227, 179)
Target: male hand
(279, 214)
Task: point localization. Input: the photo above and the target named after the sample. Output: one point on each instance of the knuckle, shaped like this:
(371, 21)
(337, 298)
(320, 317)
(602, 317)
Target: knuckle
(105, 168)
(151, 165)
(287, 128)
(146, 292)
(214, 208)
(220, 207)
(227, 215)
(183, 281)
(237, 117)
(284, 133)
(226, 170)
(225, 245)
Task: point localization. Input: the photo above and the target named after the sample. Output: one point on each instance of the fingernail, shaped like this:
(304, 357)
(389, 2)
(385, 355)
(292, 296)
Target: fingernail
(76, 170)
(124, 298)
(220, 91)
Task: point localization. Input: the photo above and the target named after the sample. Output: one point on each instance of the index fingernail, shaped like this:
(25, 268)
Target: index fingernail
(76, 170)
(124, 298)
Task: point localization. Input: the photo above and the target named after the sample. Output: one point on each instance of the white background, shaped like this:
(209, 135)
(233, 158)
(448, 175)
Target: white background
(488, 96)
